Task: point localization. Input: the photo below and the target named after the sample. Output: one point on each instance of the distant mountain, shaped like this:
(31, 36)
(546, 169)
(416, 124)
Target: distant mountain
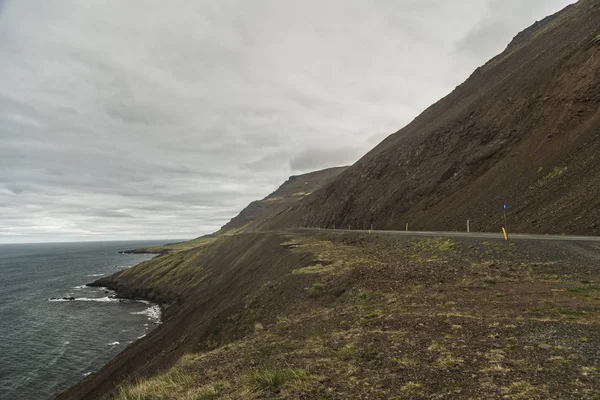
(524, 130)
(296, 188)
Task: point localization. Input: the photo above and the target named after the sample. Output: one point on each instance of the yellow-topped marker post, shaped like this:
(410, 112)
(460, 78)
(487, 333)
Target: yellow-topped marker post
(505, 229)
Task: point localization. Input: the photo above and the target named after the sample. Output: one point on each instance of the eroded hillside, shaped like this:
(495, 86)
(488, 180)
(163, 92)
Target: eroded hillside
(524, 129)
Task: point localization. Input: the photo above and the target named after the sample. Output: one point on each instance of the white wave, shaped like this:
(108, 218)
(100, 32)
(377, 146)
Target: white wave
(96, 274)
(113, 343)
(79, 287)
(139, 337)
(87, 373)
(153, 313)
(98, 299)
(60, 351)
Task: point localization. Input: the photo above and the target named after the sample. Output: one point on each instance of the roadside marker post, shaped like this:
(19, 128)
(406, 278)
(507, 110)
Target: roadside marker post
(468, 226)
(407, 227)
(505, 229)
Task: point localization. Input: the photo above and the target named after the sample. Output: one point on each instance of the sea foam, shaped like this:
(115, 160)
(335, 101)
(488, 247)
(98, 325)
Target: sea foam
(153, 313)
(97, 299)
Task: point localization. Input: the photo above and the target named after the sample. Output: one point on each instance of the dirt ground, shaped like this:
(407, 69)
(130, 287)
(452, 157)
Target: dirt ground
(360, 316)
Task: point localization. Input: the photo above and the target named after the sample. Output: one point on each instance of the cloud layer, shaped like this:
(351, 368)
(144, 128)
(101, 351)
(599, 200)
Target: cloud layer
(145, 119)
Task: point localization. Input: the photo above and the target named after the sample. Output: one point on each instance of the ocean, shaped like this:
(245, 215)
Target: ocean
(48, 343)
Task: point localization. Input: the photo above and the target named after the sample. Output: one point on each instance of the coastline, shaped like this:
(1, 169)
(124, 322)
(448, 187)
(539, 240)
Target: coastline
(125, 292)
(121, 295)
(144, 251)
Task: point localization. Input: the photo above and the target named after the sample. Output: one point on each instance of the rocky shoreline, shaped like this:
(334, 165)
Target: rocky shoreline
(123, 292)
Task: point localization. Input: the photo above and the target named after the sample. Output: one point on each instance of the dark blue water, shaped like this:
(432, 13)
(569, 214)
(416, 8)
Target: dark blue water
(46, 346)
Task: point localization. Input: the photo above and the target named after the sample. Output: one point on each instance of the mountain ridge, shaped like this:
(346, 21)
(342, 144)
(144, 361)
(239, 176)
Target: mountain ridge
(296, 188)
(530, 109)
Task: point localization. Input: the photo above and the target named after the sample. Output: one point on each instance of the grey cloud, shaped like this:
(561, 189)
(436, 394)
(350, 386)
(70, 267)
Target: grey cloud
(497, 28)
(129, 119)
(324, 158)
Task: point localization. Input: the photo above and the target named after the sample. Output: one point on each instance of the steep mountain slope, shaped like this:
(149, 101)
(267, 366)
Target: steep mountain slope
(201, 288)
(523, 129)
(254, 216)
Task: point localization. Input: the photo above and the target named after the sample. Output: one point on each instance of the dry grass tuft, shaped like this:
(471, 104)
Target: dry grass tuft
(274, 379)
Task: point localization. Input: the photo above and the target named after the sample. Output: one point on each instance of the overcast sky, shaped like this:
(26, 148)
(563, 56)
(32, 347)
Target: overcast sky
(152, 119)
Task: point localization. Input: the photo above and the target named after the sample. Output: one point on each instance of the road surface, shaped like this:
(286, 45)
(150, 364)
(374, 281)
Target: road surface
(477, 235)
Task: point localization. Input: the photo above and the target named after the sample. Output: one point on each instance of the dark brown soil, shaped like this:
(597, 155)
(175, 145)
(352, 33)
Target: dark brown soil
(377, 317)
(524, 129)
(213, 286)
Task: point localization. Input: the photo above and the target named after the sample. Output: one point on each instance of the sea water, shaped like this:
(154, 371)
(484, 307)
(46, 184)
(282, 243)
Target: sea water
(48, 343)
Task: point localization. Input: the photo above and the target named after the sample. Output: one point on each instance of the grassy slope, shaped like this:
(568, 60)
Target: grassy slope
(386, 317)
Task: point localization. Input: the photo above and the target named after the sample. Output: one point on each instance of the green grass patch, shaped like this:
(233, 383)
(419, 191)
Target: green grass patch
(211, 392)
(207, 395)
(314, 269)
(370, 355)
(560, 312)
(411, 387)
(555, 173)
(157, 388)
(346, 353)
(448, 360)
(435, 245)
(274, 379)
(371, 315)
(316, 289)
(520, 390)
(584, 288)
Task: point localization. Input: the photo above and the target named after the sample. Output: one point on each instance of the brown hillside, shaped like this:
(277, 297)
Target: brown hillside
(325, 315)
(523, 129)
(201, 287)
(254, 216)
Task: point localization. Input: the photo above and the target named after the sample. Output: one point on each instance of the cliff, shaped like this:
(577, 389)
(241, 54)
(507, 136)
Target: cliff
(524, 130)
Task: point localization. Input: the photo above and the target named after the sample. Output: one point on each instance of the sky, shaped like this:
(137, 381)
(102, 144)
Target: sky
(145, 119)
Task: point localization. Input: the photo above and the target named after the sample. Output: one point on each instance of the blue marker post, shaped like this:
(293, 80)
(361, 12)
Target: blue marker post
(504, 209)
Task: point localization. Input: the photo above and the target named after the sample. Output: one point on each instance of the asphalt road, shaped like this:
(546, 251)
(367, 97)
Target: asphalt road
(479, 235)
